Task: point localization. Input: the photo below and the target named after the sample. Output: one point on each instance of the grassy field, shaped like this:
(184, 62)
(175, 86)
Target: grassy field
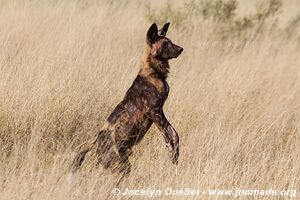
(65, 65)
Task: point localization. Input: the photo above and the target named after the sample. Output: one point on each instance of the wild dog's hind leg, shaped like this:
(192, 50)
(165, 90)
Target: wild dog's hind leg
(123, 167)
(110, 156)
(106, 151)
(124, 164)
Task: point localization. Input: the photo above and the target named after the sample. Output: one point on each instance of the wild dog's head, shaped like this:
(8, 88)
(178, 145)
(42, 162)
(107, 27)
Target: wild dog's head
(161, 47)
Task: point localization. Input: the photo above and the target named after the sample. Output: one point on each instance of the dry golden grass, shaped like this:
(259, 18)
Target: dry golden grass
(64, 66)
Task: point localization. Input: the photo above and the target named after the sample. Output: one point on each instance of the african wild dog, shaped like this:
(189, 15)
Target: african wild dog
(141, 107)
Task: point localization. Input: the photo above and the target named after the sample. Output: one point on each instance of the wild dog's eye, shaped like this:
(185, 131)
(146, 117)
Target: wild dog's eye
(166, 43)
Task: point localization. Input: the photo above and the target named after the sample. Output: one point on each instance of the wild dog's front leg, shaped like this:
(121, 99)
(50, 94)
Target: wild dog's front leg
(170, 135)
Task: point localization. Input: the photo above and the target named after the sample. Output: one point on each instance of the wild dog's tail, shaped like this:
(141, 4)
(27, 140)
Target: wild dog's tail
(78, 160)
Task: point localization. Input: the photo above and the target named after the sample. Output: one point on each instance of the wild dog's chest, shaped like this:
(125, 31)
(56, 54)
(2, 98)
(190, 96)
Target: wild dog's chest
(155, 91)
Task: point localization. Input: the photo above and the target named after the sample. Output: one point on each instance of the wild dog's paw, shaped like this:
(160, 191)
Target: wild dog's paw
(173, 145)
(175, 155)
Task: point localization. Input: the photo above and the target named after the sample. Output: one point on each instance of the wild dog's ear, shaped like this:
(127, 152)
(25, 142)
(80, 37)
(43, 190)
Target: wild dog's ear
(152, 34)
(163, 31)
